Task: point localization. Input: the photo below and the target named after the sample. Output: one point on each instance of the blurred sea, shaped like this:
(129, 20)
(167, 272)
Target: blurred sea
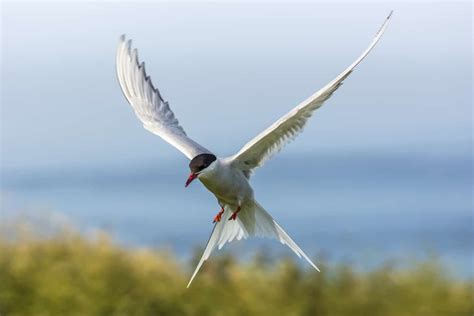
(352, 207)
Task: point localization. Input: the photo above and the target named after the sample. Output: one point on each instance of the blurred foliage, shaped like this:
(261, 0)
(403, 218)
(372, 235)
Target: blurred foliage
(66, 273)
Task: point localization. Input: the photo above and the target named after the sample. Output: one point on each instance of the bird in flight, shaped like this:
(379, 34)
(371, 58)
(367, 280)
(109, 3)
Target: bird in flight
(240, 215)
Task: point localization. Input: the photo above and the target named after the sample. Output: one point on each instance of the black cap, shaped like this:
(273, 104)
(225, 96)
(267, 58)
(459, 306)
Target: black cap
(201, 162)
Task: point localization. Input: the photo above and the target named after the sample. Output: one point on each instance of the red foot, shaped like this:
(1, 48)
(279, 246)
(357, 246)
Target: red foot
(234, 215)
(217, 218)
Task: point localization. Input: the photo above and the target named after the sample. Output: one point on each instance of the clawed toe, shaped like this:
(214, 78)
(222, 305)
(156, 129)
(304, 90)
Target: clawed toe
(217, 218)
(234, 215)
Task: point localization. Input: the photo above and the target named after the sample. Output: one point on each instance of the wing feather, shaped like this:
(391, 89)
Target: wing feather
(274, 138)
(149, 106)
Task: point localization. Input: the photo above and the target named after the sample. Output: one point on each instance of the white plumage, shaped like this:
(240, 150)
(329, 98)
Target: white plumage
(274, 138)
(146, 101)
(252, 221)
(227, 178)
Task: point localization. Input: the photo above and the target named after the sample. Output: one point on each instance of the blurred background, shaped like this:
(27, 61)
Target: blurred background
(382, 173)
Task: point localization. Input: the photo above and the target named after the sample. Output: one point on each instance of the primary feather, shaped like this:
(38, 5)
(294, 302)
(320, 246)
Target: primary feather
(149, 106)
(274, 138)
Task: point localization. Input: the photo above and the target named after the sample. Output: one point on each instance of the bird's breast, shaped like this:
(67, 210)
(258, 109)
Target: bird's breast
(228, 186)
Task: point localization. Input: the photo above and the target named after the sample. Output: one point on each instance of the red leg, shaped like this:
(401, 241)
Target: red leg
(217, 218)
(234, 215)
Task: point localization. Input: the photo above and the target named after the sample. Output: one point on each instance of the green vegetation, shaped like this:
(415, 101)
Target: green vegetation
(68, 274)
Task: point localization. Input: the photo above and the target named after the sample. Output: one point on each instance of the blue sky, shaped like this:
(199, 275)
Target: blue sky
(384, 168)
(229, 71)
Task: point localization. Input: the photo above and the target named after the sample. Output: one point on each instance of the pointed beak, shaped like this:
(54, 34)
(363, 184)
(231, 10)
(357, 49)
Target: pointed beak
(191, 177)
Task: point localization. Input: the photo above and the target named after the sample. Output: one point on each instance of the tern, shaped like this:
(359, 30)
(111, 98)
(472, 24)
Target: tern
(240, 215)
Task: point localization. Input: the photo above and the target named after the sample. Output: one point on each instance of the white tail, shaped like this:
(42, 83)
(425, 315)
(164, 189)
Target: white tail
(252, 220)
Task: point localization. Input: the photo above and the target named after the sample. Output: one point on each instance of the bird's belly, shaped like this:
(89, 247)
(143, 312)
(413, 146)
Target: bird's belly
(231, 190)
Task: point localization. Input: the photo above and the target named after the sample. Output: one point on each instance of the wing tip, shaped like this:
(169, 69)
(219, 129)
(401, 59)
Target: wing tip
(390, 15)
(384, 25)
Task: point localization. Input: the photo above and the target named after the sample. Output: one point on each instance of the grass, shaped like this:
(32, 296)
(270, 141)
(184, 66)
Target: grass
(65, 273)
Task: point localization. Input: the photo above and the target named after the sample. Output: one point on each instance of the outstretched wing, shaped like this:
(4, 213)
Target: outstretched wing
(274, 138)
(146, 101)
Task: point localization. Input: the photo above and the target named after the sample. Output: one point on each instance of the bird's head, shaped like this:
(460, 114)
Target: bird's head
(199, 165)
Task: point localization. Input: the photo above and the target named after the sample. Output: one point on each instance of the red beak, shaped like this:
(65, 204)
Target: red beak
(192, 176)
